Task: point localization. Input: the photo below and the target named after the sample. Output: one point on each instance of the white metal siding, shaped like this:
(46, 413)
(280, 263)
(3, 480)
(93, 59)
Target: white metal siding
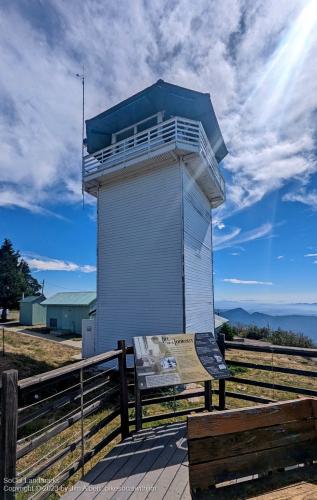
(197, 258)
(139, 285)
(88, 337)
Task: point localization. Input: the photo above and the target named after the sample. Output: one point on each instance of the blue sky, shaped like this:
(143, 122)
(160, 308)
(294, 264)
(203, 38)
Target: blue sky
(256, 58)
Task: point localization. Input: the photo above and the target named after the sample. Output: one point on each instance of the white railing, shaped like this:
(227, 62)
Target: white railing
(177, 130)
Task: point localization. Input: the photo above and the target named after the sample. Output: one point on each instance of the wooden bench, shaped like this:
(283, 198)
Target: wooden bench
(248, 443)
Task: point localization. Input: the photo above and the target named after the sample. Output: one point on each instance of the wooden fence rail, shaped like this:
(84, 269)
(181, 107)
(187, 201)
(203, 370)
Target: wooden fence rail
(97, 395)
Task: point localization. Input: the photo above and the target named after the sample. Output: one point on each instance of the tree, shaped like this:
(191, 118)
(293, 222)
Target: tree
(228, 331)
(15, 278)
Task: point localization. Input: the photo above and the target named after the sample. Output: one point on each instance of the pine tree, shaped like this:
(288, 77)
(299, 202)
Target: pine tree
(15, 278)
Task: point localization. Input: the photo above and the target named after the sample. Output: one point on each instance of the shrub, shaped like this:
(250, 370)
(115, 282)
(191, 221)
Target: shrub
(276, 337)
(256, 333)
(228, 331)
(280, 337)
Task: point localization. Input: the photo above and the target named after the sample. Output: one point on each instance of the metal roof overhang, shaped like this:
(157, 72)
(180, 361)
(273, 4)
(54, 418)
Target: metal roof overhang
(162, 96)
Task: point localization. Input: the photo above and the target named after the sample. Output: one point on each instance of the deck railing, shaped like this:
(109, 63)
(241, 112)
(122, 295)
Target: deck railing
(177, 130)
(54, 423)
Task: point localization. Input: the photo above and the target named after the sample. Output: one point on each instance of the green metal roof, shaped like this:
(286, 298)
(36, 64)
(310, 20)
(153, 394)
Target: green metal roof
(71, 299)
(33, 298)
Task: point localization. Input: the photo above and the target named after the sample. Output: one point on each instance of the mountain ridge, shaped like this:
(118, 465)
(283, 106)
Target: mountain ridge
(297, 323)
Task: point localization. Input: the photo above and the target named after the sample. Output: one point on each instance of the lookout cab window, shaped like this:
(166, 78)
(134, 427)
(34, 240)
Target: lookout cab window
(136, 129)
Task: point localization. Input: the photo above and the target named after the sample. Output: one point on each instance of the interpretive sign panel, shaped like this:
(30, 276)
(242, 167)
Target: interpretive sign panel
(163, 360)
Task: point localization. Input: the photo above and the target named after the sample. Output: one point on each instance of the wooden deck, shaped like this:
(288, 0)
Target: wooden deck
(151, 464)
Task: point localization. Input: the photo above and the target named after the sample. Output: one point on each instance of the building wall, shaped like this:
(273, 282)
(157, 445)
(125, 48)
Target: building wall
(68, 318)
(139, 282)
(26, 313)
(197, 258)
(32, 313)
(39, 314)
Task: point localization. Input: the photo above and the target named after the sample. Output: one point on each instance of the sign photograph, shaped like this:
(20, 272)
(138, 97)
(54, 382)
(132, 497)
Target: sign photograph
(163, 360)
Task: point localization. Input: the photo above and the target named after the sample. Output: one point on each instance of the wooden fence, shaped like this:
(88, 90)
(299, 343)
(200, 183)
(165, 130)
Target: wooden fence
(54, 423)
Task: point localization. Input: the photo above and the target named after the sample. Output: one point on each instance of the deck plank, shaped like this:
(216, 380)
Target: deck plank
(301, 491)
(152, 475)
(149, 459)
(133, 482)
(106, 485)
(160, 487)
(176, 489)
(114, 459)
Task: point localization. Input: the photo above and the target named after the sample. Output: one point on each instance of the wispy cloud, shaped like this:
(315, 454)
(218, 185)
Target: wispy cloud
(48, 264)
(12, 199)
(280, 257)
(237, 281)
(235, 237)
(303, 196)
(312, 255)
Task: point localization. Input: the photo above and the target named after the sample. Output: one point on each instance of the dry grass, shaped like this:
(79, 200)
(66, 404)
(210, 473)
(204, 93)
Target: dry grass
(270, 377)
(32, 355)
(47, 451)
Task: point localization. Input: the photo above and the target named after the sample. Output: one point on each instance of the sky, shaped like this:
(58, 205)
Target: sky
(256, 58)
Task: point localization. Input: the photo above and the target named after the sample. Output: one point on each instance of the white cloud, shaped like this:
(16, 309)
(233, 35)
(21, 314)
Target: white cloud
(87, 268)
(311, 255)
(280, 257)
(235, 237)
(47, 264)
(254, 61)
(237, 281)
(303, 196)
(222, 241)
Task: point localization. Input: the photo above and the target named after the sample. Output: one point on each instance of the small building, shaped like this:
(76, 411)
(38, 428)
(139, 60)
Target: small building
(219, 322)
(65, 311)
(31, 310)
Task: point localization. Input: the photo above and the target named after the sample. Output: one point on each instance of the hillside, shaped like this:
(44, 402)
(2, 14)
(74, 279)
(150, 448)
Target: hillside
(307, 325)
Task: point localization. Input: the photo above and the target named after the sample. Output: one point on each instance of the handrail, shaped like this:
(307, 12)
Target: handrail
(277, 349)
(176, 130)
(64, 370)
(136, 136)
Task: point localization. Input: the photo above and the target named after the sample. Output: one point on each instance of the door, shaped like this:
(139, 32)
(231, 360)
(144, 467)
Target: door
(68, 321)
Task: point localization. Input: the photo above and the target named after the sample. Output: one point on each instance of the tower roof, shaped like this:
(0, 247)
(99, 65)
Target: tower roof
(161, 96)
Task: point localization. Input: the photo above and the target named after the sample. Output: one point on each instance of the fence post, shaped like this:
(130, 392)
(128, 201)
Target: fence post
(81, 378)
(124, 397)
(208, 395)
(9, 426)
(138, 404)
(222, 382)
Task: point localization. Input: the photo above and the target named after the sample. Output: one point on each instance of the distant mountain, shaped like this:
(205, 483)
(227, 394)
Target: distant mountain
(306, 325)
(273, 309)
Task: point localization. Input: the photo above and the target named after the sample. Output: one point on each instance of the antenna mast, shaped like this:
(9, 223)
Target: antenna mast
(82, 77)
